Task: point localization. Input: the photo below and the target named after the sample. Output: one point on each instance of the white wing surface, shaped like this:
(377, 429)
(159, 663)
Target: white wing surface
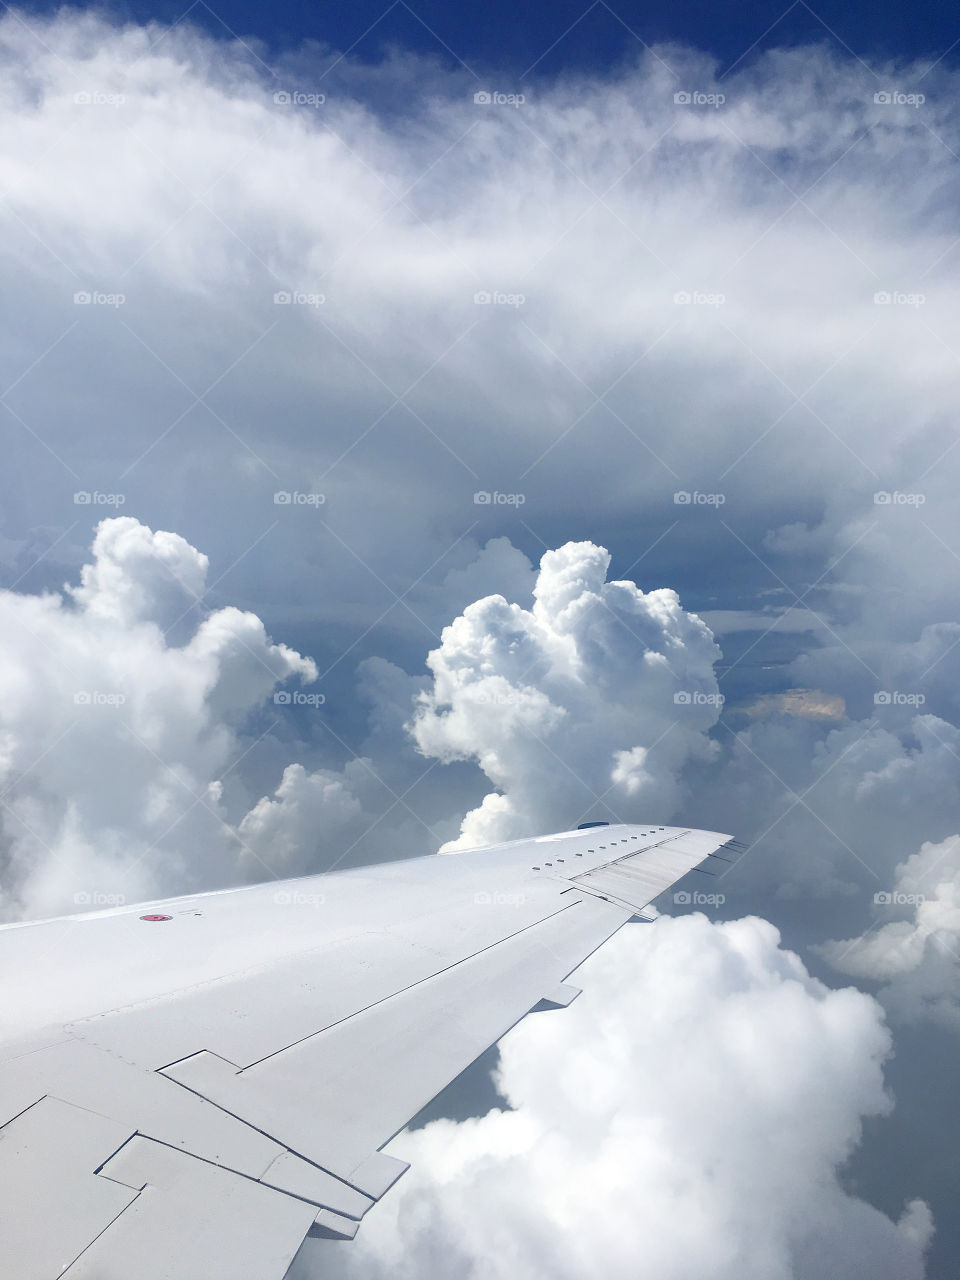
(189, 1087)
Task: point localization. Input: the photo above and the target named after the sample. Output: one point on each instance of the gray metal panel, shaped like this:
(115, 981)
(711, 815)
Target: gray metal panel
(298, 1027)
(326, 1099)
(638, 877)
(48, 1158)
(302, 993)
(139, 1101)
(296, 1177)
(192, 1219)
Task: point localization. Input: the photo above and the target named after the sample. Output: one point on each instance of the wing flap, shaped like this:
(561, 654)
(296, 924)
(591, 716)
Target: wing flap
(325, 1098)
(53, 1149)
(639, 876)
(190, 1218)
(205, 1091)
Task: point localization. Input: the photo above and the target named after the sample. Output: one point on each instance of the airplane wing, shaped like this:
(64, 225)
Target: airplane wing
(190, 1087)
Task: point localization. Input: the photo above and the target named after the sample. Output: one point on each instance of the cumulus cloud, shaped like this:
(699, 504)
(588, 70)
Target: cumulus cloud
(694, 398)
(114, 740)
(592, 700)
(128, 712)
(913, 945)
(830, 809)
(307, 807)
(137, 575)
(692, 1109)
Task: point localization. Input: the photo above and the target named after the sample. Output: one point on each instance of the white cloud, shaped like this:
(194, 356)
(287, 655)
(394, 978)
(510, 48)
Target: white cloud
(691, 1111)
(114, 740)
(724, 621)
(592, 700)
(137, 575)
(830, 809)
(309, 811)
(498, 569)
(198, 197)
(913, 945)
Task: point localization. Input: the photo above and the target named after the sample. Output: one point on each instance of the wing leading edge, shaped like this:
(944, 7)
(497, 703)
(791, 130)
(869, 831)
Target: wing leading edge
(191, 1095)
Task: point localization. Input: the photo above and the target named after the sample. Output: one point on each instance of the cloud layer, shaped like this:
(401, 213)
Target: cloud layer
(197, 197)
(691, 1109)
(914, 953)
(718, 341)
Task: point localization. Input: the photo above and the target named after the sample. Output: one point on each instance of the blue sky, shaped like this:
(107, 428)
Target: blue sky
(520, 39)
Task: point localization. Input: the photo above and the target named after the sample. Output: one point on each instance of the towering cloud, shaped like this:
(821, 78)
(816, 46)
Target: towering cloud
(589, 702)
(115, 739)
